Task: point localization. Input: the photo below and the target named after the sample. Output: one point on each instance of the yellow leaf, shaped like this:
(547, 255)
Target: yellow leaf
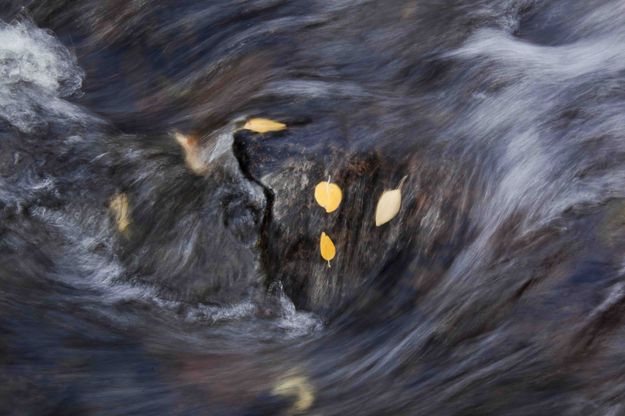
(328, 195)
(188, 143)
(119, 206)
(263, 125)
(388, 205)
(298, 387)
(191, 153)
(326, 246)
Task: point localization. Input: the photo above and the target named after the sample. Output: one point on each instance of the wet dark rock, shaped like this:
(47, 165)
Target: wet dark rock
(216, 257)
(289, 169)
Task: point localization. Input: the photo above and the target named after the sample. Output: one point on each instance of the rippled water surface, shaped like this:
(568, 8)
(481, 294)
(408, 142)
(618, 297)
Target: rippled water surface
(158, 258)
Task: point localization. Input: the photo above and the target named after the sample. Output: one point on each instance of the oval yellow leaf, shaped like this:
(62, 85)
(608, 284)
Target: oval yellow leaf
(326, 246)
(388, 205)
(263, 125)
(119, 206)
(328, 195)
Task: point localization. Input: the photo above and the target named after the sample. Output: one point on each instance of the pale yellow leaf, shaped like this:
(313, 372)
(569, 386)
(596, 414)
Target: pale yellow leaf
(192, 152)
(299, 388)
(388, 205)
(119, 206)
(326, 246)
(187, 142)
(328, 195)
(263, 125)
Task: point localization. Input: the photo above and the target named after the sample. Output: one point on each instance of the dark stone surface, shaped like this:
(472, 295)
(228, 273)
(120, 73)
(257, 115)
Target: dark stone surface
(289, 171)
(195, 238)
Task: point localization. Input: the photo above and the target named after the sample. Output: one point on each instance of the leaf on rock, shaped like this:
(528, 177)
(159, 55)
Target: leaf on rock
(388, 205)
(192, 156)
(326, 246)
(328, 195)
(188, 143)
(263, 125)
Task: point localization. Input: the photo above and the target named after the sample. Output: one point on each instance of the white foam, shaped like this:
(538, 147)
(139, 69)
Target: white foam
(538, 61)
(84, 268)
(33, 55)
(216, 314)
(532, 174)
(295, 323)
(36, 72)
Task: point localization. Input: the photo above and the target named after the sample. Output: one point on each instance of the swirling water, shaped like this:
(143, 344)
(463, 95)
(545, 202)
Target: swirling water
(498, 289)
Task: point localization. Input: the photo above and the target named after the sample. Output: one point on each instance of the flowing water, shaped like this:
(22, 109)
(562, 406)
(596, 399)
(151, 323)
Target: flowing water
(132, 285)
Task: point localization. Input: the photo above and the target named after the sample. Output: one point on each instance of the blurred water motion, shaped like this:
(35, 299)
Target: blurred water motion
(160, 246)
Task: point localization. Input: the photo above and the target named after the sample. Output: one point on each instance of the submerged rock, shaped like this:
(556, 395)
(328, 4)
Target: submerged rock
(195, 238)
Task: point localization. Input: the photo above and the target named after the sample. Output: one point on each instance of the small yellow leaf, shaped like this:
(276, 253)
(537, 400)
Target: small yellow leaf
(119, 206)
(263, 125)
(192, 153)
(298, 387)
(187, 142)
(388, 205)
(328, 195)
(326, 246)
